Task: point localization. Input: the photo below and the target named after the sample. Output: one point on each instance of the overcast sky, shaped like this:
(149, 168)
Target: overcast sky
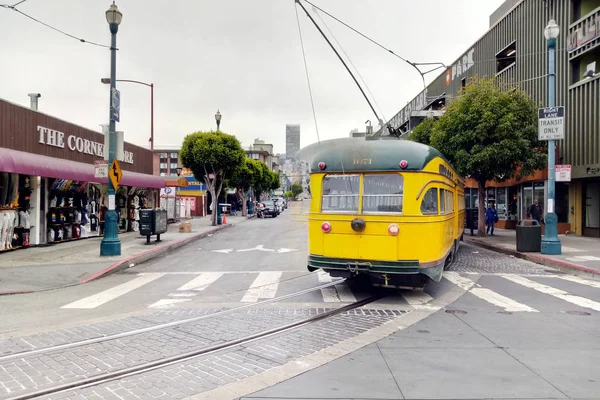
(240, 56)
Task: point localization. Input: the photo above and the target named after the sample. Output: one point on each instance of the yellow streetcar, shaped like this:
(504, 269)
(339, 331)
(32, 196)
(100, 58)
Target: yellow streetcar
(392, 210)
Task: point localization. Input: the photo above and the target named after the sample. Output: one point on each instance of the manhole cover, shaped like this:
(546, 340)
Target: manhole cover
(579, 313)
(456, 312)
(505, 312)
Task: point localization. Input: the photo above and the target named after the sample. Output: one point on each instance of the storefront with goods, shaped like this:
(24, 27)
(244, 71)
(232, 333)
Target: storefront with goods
(53, 181)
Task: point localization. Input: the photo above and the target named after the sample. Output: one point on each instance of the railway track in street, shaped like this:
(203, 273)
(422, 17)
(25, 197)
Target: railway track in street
(143, 367)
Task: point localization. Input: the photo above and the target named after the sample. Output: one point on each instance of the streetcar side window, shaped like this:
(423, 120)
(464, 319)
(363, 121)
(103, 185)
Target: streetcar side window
(340, 193)
(461, 202)
(443, 203)
(429, 204)
(446, 201)
(383, 193)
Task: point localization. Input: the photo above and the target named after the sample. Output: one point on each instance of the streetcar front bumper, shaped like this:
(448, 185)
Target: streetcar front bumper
(376, 267)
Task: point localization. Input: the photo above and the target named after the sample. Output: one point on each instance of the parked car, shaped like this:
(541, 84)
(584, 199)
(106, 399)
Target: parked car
(280, 201)
(270, 208)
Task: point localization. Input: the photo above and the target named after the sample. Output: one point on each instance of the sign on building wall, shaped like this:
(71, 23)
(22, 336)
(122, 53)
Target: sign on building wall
(563, 173)
(461, 67)
(101, 169)
(551, 123)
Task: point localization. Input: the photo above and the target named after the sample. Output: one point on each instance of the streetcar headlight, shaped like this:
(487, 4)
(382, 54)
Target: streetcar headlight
(326, 227)
(393, 229)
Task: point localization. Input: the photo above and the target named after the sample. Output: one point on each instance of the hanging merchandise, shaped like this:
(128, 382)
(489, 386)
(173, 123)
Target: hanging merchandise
(68, 206)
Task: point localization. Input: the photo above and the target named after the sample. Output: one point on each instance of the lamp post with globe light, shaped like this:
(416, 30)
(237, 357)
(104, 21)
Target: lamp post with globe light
(111, 245)
(218, 207)
(550, 241)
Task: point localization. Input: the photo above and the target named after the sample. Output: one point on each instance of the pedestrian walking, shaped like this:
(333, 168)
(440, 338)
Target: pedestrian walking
(536, 212)
(491, 217)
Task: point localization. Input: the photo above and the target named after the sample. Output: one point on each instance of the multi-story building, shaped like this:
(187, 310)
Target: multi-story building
(264, 152)
(514, 50)
(292, 140)
(166, 160)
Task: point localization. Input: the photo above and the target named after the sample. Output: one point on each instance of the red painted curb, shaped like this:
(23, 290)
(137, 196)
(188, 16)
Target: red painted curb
(538, 259)
(16, 292)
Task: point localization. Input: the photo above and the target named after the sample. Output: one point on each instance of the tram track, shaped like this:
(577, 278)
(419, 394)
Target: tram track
(167, 361)
(182, 322)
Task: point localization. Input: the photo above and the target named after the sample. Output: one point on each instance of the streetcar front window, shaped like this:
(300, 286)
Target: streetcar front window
(383, 193)
(340, 193)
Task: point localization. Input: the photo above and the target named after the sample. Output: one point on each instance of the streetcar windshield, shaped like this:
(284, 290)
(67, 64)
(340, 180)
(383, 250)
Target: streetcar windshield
(383, 193)
(340, 193)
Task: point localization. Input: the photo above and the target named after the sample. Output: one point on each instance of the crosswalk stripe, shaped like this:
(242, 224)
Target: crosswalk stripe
(417, 298)
(330, 295)
(561, 294)
(324, 277)
(486, 294)
(501, 301)
(576, 279)
(202, 281)
(166, 303)
(264, 287)
(114, 292)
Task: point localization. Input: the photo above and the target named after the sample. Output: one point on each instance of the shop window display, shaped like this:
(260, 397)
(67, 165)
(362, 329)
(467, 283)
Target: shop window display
(136, 200)
(67, 211)
(15, 217)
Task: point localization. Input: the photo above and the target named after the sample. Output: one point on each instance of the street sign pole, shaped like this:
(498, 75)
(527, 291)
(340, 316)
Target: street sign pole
(555, 129)
(111, 245)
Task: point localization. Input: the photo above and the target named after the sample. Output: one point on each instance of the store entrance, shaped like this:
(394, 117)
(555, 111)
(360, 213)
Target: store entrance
(591, 209)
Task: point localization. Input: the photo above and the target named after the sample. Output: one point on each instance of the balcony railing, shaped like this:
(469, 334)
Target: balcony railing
(584, 34)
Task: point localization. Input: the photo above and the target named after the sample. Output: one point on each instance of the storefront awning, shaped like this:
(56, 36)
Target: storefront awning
(20, 162)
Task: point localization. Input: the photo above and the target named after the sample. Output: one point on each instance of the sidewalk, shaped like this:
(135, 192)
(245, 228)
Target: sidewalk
(72, 263)
(578, 253)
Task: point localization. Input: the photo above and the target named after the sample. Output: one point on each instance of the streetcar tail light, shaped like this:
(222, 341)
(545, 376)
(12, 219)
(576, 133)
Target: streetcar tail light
(322, 165)
(393, 229)
(326, 227)
(403, 164)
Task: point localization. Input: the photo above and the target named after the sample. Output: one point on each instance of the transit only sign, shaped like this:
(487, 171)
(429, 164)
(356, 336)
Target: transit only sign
(551, 123)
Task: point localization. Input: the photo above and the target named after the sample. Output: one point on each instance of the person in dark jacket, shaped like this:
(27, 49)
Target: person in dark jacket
(491, 217)
(535, 211)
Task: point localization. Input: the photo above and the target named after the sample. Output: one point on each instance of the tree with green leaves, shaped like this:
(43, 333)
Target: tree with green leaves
(263, 179)
(212, 157)
(296, 190)
(489, 133)
(289, 195)
(275, 181)
(422, 132)
(241, 180)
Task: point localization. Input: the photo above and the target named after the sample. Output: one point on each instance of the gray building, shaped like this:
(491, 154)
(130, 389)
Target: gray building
(292, 140)
(514, 51)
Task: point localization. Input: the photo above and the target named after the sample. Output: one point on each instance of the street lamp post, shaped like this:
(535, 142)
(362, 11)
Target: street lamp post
(111, 245)
(550, 242)
(151, 86)
(219, 217)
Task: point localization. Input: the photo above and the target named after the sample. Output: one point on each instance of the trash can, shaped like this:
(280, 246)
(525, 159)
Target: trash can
(529, 236)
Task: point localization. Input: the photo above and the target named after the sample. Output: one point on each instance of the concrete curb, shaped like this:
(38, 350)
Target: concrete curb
(122, 265)
(535, 258)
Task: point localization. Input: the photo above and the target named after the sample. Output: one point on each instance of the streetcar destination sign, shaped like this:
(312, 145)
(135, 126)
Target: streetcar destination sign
(551, 123)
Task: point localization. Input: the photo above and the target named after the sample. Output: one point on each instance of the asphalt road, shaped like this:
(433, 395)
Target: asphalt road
(494, 328)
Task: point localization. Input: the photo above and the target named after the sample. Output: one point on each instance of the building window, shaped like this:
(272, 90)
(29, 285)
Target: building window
(463, 82)
(163, 165)
(174, 155)
(429, 204)
(340, 193)
(383, 193)
(163, 172)
(163, 155)
(501, 205)
(173, 174)
(506, 58)
(255, 156)
(174, 165)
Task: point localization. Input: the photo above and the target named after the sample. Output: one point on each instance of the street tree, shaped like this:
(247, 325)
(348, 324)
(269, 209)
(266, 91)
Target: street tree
(275, 181)
(212, 157)
(263, 179)
(296, 190)
(489, 133)
(422, 132)
(241, 180)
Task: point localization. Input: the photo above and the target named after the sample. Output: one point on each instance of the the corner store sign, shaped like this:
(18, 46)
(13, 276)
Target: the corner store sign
(51, 137)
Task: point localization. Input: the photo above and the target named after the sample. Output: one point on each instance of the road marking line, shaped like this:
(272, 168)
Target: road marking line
(501, 301)
(167, 303)
(114, 292)
(324, 277)
(345, 294)
(417, 298)
(188, 294)
(264, 287)
(461, 282)
(202, 281)
(330, 295)
(561, 294)
(576, 279)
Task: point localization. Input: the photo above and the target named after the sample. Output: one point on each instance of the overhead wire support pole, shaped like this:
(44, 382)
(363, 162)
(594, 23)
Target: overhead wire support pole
(342, 60)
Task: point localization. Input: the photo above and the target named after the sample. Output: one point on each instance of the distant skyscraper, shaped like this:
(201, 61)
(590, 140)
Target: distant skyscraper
(292, 140)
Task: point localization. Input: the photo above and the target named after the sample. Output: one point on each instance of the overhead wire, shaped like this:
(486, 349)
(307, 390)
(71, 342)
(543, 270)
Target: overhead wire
(14, 8)
(351, 63)
(312, 102)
